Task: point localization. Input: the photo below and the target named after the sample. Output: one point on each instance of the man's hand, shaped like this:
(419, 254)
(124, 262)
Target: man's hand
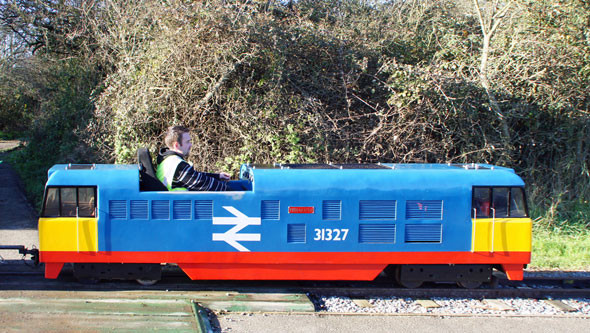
(224, 176)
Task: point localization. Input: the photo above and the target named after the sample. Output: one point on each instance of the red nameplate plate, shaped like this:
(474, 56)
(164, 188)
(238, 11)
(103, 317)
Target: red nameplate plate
(301, 210)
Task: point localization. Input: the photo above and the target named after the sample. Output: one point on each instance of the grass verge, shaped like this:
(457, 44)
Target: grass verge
(560, 250)
(32, 172)
(561, 236)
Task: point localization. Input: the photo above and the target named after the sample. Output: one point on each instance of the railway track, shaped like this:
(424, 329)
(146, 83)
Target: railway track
(556, 296)
(15, 276)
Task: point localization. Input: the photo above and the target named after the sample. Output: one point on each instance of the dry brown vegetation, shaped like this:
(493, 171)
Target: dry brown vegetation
(503, 82)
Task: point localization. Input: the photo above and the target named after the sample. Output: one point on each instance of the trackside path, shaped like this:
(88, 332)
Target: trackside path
(79, 311)
(397, 323)
(18, 219)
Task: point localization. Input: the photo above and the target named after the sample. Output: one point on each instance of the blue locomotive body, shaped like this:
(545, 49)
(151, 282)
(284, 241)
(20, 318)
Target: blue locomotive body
(288, 222)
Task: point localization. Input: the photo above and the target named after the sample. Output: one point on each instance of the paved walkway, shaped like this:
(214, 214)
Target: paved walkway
(18, 219)
(396, 323)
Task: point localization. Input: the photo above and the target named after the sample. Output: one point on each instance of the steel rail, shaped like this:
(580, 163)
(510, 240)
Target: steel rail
(202, 318)
(580, 289)
(15, 276)
(451, 292)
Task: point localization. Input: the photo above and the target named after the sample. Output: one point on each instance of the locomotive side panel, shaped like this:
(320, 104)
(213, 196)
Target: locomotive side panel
(290, 224)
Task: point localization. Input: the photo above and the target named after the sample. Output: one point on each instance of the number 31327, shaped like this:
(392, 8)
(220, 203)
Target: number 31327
(330, 234)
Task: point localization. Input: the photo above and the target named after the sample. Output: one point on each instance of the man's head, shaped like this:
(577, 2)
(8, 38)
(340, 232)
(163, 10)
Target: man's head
(178, 139)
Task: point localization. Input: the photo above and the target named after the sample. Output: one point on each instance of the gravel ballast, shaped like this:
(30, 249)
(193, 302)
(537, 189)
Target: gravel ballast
(453, 306)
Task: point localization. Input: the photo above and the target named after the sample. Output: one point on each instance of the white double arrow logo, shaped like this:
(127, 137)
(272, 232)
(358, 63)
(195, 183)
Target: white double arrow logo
(232, 236)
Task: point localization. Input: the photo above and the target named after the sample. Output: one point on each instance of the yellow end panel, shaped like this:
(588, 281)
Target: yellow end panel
(68, 234)
(510, 234)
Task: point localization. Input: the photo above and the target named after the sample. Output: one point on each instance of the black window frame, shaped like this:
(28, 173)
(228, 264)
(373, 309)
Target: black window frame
(60, 213)
(509, 199)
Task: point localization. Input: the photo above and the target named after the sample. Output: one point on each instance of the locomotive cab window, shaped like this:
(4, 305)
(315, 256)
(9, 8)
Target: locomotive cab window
(498, 202)
(70, 202)
(517, 203)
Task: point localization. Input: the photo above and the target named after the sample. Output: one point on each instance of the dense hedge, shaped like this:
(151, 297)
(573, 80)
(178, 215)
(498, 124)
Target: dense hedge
(317, 81)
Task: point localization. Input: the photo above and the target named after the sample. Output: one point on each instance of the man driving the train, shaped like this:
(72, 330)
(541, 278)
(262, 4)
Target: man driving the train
(178, 174)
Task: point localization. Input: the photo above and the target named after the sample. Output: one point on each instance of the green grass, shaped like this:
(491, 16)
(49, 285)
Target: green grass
(561, 237)
(560, 250)
(8, 135)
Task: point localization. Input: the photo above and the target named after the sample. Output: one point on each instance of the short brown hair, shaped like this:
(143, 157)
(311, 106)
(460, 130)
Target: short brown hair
(174, 134)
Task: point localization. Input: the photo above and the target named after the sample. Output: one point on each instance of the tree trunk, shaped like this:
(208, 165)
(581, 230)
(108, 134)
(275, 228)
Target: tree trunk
(488, 31)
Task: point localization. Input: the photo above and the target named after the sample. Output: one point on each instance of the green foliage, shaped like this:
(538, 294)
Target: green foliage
(33, 172)
(345, 81)
(8, 135)
(46, 80)
(569, 218)
(309, 81)
(17, 98)
(62, 110)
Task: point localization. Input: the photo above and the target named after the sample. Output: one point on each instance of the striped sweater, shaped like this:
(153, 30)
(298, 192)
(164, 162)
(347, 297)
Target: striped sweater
(186, 176)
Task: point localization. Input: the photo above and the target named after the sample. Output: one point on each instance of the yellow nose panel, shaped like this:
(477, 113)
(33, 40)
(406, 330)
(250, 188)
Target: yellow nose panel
(499, 235)
(68, 234)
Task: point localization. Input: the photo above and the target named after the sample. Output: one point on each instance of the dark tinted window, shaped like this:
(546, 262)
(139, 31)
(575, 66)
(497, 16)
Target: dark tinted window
(517, 203)
(51, 202)
(500, 201)
(70, 202)
(86, 201)
(482, 201)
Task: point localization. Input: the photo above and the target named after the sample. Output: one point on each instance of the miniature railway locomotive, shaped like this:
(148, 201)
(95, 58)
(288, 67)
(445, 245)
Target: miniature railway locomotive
(418, 222)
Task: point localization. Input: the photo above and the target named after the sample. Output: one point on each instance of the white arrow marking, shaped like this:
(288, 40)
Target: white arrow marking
(232, 236)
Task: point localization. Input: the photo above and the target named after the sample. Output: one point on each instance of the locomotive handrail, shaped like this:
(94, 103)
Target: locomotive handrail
(473, 230)
(493, 226)
(77, 231)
